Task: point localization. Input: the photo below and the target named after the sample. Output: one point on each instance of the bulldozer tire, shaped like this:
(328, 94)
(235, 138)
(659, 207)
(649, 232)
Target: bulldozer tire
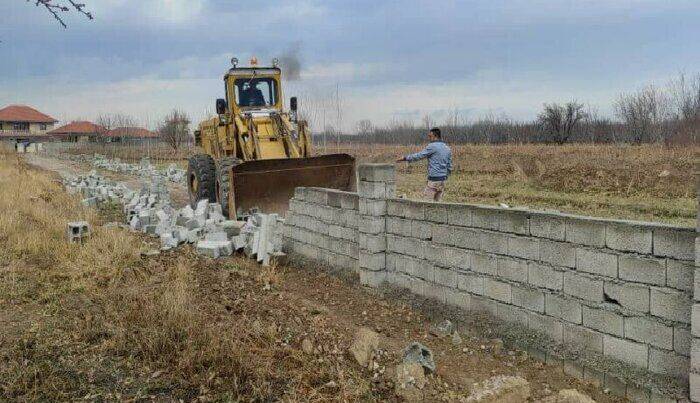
(223, 182)
(201, 177)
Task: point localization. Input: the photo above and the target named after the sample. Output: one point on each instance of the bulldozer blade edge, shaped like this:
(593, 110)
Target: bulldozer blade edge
(268, 185)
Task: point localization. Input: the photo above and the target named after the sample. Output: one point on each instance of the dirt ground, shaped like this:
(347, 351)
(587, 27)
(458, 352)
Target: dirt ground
(225, 329)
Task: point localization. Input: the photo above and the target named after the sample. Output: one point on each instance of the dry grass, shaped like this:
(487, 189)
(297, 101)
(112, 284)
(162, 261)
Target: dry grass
(98, 321)
(647, 182)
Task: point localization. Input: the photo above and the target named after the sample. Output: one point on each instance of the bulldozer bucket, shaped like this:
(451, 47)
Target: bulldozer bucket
(268, 185)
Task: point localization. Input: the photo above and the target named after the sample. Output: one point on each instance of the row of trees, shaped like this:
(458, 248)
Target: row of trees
(668, 114)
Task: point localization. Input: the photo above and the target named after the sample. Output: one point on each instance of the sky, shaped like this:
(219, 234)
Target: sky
(385, 61)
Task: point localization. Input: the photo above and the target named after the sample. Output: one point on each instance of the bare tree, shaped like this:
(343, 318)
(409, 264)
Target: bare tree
(559, 121)
(55, 7)
(645, 113)
(125, 123)
(175, 129)
(685, 95)
(365, 126)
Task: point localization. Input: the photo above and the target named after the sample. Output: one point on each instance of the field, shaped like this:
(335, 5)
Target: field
(648, 182)
(100, 321)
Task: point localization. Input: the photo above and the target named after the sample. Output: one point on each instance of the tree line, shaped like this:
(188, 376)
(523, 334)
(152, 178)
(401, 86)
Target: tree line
(669, 114)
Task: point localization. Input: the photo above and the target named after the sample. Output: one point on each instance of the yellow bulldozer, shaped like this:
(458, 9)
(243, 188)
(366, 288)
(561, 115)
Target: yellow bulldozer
(255, 153)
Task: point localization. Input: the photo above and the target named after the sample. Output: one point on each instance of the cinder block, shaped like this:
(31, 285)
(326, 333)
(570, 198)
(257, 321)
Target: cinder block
(642, 270)
(585, 231)
(524, 247)
(334, 198)
(442, 256)
(669, 304)
(425, 270)
(628, 295)
(512, 269)
(626, 351)
(695, 313)
(372, 261)
(396, 207)
(457, 298)
(695, 387)
(579, 338)
(582, 286)
(372, 207)
(413, 210)
(483, 263)
(563, 308)
(682, 341)
(436, 212)
(421, 229)
(462, 258)
(649, 331)
(350, 201)
(434, 291)
(442, 234)
(376, 172)
(459, 214)
(486, 217)
(547, 325)
(471, 283)
(516, 222)
(679, 274)
(372, 243)
(668, 363)
(372, 225)
(316, 196)
(675, 243)
(628, 238)
(371, 278)
(695, 356)
(604, 321)
(494, 242)
(558, 253)
(484, 305)
(446, 277)
(540, 275)
(596, 262)
(497, 290)
(373, 190)
(468, 238)
(548, 226)
(398, 226)
(512, 315)
(528, 298)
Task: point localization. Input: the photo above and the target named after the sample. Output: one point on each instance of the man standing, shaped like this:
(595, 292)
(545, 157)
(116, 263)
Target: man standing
(439, 158)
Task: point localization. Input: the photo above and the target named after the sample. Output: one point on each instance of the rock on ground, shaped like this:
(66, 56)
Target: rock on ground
(410, 380)
(420, 354)
(568, 396)
(502, 389)
(365, 343)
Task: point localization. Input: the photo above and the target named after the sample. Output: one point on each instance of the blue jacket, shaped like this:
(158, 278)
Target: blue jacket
(439, 158)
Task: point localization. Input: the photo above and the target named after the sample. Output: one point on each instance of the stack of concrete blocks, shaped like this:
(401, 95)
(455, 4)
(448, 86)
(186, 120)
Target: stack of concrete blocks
(620, 290)
(695, 348)
(78, 231)
(96, 189)
(322, 225)
(144, 169)
(376, 183)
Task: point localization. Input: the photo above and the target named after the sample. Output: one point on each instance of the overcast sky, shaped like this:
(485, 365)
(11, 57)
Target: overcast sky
(389, 60)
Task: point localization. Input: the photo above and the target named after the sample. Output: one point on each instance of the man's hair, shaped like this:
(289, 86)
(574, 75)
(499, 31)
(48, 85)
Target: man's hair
(436, 132)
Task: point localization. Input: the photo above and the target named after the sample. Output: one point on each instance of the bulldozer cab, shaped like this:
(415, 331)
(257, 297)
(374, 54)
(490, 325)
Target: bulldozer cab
(249, 89)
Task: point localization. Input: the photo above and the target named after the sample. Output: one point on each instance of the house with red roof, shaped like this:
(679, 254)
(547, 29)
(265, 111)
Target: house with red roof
(24, 123)
(78, 132)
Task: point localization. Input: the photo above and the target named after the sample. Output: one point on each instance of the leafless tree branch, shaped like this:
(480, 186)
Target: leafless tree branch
(57, 8)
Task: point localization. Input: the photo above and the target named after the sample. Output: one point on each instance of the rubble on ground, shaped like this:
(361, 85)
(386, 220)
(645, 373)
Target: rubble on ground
(143, 169)
(410, 380)
(501, 388)
(420, 354)
(150, 211)
(364, 346)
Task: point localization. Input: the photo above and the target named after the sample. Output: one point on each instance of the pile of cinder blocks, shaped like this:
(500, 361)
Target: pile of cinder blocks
(144, 168)
(78, 231)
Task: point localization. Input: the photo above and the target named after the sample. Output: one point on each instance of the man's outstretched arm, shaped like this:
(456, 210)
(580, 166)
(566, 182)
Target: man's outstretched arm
(425, 153)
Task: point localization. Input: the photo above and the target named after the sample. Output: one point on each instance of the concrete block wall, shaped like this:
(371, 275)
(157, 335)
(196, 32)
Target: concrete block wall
(695, 315)
(627, 285)
(322, 225)
(622, 289)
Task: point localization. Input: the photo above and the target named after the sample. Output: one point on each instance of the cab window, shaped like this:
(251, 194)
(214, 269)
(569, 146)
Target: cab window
(255, 92)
